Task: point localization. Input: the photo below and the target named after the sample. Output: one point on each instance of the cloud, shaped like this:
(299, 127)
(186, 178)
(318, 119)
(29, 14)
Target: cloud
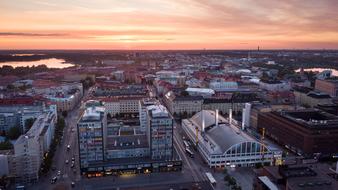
(195, 23)
(24, 34)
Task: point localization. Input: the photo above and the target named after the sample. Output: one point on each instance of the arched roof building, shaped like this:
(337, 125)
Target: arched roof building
(221, 144)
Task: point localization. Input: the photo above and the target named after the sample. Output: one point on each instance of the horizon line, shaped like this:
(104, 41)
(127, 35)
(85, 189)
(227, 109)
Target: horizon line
(203, 49)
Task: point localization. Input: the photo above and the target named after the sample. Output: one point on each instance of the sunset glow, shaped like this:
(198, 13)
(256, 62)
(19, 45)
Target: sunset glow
(174, 24)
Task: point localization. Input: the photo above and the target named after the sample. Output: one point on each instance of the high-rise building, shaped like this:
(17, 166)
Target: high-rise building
(160, 132)
(143, 111)
(120, 146)
(91, 128)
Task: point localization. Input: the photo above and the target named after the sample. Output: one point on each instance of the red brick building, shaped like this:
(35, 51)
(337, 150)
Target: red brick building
(328, 86)
(303, 131)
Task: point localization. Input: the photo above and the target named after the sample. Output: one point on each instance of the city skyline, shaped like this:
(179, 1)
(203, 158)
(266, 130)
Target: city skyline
(179, 24)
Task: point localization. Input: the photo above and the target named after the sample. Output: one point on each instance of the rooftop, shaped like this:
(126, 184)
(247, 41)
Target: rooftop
(94, 113)
(319, 95)
(201, 90)
(174, 97)
(332, 80)
(158, 111)
(218, 138)
(298, 177)
(311, 118)
(127, 142)
(149, 101)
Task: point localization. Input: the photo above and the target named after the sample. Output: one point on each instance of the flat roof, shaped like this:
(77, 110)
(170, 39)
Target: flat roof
(158, 111)
(127, 142)
(201, 90)
(94, 113)
(310, 118)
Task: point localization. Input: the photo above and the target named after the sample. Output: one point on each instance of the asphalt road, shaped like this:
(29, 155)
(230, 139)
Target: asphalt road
(191, 176)
(62, 154)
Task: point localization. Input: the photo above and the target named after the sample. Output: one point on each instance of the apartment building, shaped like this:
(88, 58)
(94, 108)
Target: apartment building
(30, 148)
(183, 105)
(160, 132)
(307, 97)
(91, 136)
(15, 114)
(143, 104)
(104, 146)
(122, 105)
(274, 85)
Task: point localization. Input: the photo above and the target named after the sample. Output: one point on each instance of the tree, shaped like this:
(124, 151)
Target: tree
(87, 82)
(6, 145)
(23, 88)
(265, 77)
(258, 165)
(232, 181)
(14, 133)
(10, 87)
(185, 114)
(64, 113)
(227, 177)
(48, 160)
(184, 93)
(3, 181)
(29, 123)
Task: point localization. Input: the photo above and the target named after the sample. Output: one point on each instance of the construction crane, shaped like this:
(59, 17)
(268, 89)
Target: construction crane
(196, 140)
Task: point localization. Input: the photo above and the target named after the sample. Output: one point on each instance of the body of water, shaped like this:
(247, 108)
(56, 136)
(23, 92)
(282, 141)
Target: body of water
(334, 71)
(50, 63)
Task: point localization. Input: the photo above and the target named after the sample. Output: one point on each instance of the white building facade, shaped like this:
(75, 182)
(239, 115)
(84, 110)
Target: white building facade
(222, 144)
(29, 149)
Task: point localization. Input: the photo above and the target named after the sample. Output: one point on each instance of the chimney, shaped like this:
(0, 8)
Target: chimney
(216, 118)
(203, 120)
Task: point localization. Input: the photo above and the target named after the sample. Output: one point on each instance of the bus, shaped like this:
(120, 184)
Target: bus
(20, 187)
(186, 144)
(189, 152)
(211, 178)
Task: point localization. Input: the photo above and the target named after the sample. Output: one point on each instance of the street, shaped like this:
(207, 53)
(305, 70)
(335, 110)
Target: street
(192, 174)
(67, 175)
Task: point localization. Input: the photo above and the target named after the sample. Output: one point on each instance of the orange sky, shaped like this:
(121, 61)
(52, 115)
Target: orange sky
(168, 24)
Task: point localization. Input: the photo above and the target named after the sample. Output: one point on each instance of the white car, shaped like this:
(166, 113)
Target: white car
(66, 161)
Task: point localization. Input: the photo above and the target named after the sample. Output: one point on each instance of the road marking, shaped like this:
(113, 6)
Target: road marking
(195, 178)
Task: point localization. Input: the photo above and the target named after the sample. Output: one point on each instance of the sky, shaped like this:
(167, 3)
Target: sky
(168, 24)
